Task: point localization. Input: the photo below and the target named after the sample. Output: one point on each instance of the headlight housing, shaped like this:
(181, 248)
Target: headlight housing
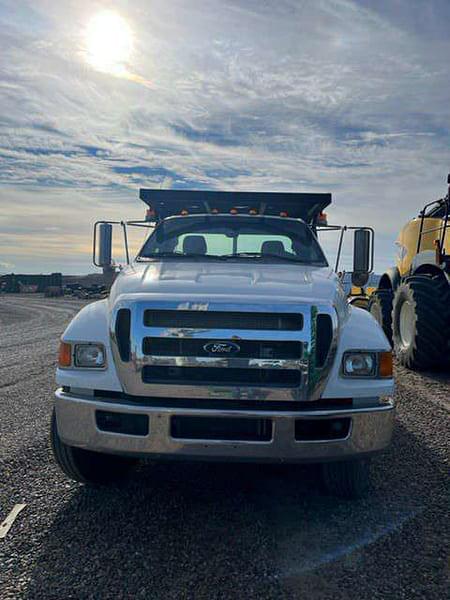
(90, 356)
(370, 365)
(86, 355)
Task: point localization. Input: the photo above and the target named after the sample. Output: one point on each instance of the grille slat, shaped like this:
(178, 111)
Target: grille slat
(212, 376)
(198, 319)
(162, 346)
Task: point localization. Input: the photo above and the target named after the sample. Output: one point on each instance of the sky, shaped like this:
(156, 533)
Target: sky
(98, 99)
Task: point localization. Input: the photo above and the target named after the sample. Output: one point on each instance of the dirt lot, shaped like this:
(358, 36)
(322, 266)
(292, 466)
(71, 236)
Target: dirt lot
(213, 531)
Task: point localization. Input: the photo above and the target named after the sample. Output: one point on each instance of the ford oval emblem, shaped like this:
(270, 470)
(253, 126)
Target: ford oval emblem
(221, 348)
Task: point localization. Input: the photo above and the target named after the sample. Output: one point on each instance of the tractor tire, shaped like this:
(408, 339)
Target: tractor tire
(421, 322)
(84, 466)
(380, 307)
(348, 479)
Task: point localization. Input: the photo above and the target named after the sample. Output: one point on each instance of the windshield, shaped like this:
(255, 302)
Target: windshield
(222, 237)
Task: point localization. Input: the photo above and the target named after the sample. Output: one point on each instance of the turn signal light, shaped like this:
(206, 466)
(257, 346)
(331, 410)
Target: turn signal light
(386, 367)
(184, 212)
(283, 213)
(253, 211)
(234, 211)
(65, 355)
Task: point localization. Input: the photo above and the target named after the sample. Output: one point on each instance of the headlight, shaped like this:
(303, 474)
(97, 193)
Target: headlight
(367, 364)
(360, 364)
(89, 355)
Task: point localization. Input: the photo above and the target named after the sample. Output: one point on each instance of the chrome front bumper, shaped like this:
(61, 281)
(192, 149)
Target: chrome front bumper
(370, 431)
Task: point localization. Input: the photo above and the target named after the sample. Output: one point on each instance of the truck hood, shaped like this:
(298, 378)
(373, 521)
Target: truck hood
(244, 281)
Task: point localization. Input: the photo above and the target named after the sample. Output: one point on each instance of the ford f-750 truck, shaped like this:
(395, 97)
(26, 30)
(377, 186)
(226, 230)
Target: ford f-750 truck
(228, 337)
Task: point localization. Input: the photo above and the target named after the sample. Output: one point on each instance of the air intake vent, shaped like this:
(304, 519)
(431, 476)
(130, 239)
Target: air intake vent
(199, 319)
(324, 338)
(314, 430)
(221, 428)
(123, 333)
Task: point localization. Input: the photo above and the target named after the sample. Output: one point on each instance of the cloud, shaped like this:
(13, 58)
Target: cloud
(6, 265)
(327, 96)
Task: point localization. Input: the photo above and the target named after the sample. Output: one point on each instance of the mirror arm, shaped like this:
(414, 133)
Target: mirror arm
(372, 247)
(125, 237)
(341, 239)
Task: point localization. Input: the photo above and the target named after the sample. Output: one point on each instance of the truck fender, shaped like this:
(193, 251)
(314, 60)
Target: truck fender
(360, 332)
(91, 324)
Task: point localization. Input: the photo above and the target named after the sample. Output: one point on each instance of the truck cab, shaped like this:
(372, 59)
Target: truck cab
(229, 337)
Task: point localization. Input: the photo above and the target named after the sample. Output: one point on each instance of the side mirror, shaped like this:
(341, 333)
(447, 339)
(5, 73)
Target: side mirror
(362, 257)
(104, 245)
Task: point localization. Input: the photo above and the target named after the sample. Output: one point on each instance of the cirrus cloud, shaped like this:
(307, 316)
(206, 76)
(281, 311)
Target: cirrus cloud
(334, 95)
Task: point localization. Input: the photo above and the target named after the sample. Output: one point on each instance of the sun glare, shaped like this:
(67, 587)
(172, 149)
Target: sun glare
(109, 43)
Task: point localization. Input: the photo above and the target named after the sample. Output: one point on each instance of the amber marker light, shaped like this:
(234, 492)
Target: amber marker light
(65, 355)
(322, 219)
(253, 211)
(184, 212)
(386, 367)
(149, 215)
(234, 211)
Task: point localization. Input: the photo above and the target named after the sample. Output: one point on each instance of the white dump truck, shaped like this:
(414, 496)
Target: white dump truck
(227, 338)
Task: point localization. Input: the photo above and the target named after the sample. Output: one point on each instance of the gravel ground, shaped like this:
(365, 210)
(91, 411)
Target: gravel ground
(213, 531)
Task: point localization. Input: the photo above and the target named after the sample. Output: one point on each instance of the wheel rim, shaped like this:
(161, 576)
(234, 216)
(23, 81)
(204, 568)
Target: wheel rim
(407, 323)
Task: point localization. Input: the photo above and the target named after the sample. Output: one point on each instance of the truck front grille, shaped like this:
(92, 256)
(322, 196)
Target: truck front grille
(274, 352)
(216, 376)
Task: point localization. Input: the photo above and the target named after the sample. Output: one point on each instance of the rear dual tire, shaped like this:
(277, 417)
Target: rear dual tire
(85, 466)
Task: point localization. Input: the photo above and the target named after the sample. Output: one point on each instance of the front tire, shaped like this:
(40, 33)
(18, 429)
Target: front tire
(84, 466)
(348, 479)
(380, 307)
(421, 322)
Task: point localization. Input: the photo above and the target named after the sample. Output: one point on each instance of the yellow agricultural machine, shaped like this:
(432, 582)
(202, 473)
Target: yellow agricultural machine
(412, 301)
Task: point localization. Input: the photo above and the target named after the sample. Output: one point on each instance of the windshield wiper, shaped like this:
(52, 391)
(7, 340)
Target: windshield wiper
(267, 255)
(178, 255)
